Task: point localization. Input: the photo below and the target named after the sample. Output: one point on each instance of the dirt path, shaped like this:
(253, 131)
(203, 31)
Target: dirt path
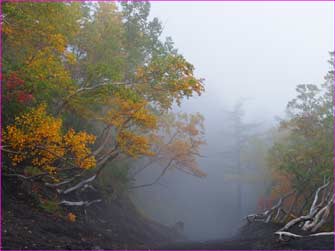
(256, 236)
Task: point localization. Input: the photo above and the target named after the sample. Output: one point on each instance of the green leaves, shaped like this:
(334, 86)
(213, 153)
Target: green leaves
(100, 67)
(306, 153)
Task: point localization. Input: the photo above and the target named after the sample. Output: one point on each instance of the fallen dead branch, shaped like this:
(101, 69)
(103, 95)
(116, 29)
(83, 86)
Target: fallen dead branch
(79, 203)
(268, 214)
(316, 218)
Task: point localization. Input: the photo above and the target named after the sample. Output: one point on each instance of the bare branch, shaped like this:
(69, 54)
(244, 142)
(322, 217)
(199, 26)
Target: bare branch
(323, 234)
(313, 207)
(321, 217)
(157, 179)
(65, 181)
(79, 203)
(287, 234)
(267, 215)
(105, 140)
(83, 89)
(26, 177)
(79, 185)
(296, 221)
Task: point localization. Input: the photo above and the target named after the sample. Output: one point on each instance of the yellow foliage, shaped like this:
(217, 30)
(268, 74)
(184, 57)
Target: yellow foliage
(37, 138)
(167, 80)
(76, 144)
(45, 66)
(133, 144)
(70, 57)
(128, 111)
(58, 42)
(7, 29)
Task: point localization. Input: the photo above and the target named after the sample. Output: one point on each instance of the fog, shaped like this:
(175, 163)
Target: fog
(257, 52)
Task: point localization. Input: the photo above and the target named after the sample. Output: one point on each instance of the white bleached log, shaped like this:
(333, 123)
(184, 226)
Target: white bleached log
(323, 234)
(79, 203)
(79, 185)
(296, 221)
(282, 234)
(290, 235)
(267, 215)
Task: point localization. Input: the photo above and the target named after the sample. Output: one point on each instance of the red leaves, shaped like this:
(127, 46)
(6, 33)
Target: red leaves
(14, 89)
(23, 97)
(265, 203)
(13, 81)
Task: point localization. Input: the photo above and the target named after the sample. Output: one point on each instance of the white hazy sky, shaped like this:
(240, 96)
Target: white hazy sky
(256, 50)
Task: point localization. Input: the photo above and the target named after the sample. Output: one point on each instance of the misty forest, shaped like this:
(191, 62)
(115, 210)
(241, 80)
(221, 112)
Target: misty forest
(114, 137)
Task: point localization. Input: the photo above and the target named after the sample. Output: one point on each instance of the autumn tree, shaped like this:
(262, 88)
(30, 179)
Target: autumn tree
(35, 55)
(303, 162)
(36, 139)
(306, 153)
(176, 145)
(100, 68)
(127, 107)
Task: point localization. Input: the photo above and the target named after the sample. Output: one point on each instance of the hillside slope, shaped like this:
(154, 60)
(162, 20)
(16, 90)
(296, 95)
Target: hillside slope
(117, 225)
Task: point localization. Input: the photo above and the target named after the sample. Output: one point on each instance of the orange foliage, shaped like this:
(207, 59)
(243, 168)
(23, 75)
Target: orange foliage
(71, 217)
(281, 185)
(183, 143)
(125, 111)
(125, 114)
(133, 144)
(76, 143)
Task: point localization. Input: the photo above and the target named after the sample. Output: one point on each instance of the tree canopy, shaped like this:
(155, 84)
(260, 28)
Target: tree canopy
(302, 157)
(87, 83)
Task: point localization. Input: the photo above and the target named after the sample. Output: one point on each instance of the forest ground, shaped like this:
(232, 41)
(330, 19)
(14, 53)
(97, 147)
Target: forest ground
(259, 236)
(120, 226)
(117, 225)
